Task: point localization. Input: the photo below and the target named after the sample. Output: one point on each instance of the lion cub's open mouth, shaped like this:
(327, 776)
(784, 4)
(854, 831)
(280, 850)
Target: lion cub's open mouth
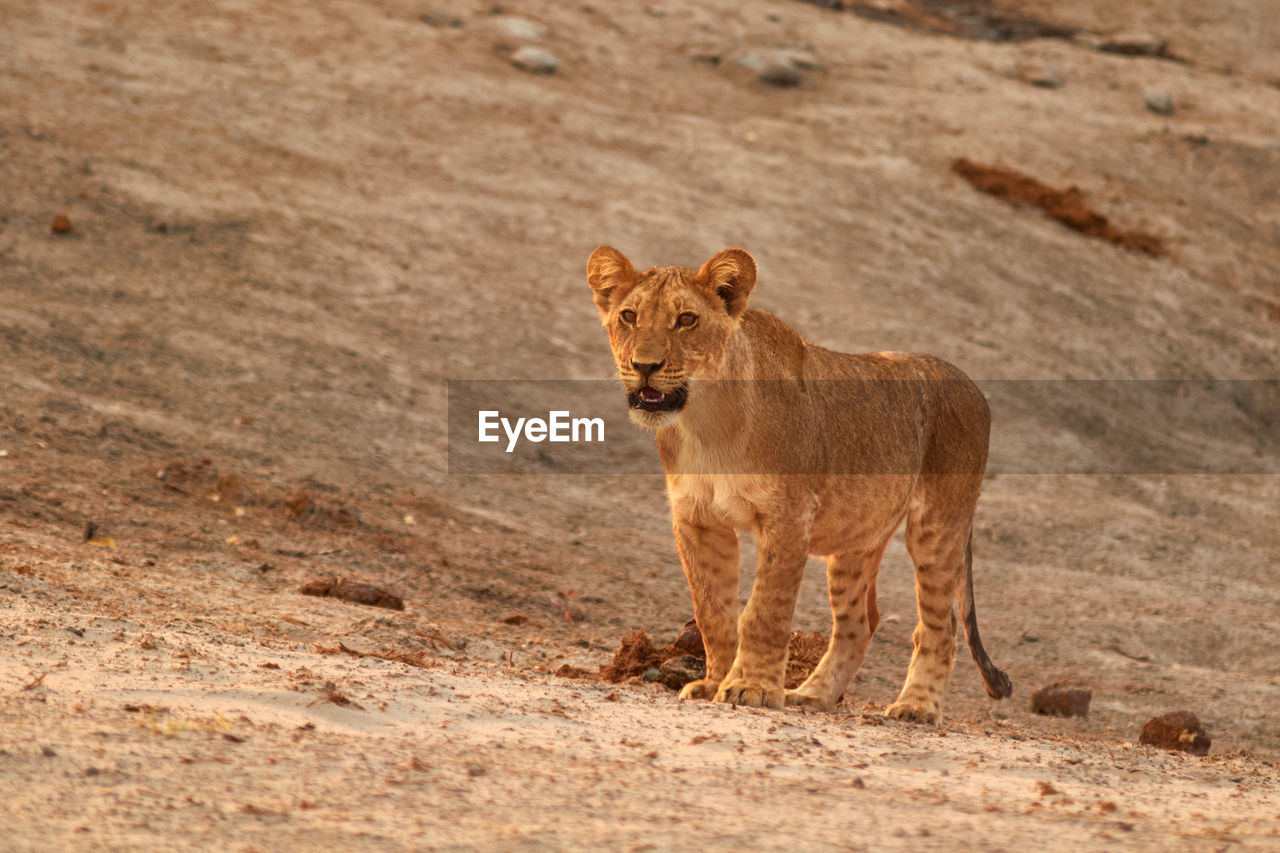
(652, 400)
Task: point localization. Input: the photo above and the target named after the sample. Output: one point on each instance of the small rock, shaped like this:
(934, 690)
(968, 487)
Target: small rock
(677, 672)
(1061, 700)
(48, 752)
(777, 68)
(1135, 44)
(1177, 730)
(1039, 74)
(522, 29)
(535, 60)
(780, 76)
(652, 674)
(439, 19)
(1158, 102)
(61, 224)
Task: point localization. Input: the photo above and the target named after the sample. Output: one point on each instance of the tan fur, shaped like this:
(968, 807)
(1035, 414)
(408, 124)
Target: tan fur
(820, 453)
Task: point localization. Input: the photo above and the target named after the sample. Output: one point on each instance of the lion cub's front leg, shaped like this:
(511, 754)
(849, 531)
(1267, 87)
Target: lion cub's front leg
(709, 553)
(759, 671)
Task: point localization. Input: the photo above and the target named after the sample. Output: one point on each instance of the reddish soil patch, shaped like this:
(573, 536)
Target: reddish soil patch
(635, 655)
(356, 593)
(803, 655)
(1066, 206)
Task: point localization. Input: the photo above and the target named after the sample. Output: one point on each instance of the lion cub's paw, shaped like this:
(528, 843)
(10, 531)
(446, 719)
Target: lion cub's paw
(822, 703)
(910, 713)
(752, 694)
(703, 688)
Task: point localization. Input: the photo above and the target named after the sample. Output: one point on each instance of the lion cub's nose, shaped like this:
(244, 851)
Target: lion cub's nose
(647, 368)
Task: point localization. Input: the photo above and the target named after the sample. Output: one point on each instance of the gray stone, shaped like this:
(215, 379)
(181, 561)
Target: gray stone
(439, 19)
(1158, 102)
(652, 674)
(802, 59)
(535, 60)
(777, 68)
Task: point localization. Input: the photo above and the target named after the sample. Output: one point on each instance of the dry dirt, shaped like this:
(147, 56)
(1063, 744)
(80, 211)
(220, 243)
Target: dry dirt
(287, 225)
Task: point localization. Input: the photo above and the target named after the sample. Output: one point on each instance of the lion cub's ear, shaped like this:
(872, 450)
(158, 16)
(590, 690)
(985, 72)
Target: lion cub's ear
(732, 275)
(607, 269)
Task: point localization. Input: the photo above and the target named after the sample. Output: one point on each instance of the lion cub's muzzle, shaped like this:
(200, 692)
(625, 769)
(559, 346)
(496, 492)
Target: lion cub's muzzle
(650, 399)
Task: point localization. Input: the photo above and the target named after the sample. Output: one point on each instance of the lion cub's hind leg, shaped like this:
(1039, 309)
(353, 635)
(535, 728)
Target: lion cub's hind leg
(937, 547)
(851, 584)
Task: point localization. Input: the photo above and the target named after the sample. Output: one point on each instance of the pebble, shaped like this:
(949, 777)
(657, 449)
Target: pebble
(780, 68)
(535, 60)
(61, 224)
(1040, 74)
(1158, 102)
(522, 29)
(438, 19)
(1135, 44)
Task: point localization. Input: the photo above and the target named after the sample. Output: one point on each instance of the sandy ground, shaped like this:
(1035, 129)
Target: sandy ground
(292, 224)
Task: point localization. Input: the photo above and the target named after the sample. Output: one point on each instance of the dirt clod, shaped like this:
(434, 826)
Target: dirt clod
(1176, 730)
(1061, 699)
(690, 640)
(356, 593)
(298, 502)
(1066, 206)
(61, 224)
(633, 657)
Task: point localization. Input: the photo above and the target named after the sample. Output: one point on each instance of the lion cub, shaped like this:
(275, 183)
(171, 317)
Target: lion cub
(815, 452)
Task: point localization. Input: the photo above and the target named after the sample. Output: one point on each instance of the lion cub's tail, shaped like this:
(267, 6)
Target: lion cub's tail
(997, 683)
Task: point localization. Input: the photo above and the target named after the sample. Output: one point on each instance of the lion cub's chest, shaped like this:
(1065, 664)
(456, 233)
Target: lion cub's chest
(739, 499)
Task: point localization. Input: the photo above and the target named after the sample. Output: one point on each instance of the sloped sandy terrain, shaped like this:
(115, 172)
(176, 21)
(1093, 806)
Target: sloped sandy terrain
(292, 224)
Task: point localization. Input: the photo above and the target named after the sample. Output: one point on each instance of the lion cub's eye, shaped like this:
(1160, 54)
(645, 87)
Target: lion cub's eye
(627, 315)
(686, 320)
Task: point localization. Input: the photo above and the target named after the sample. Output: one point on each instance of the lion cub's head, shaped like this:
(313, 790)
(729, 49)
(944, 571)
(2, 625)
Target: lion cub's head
(668, 326)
